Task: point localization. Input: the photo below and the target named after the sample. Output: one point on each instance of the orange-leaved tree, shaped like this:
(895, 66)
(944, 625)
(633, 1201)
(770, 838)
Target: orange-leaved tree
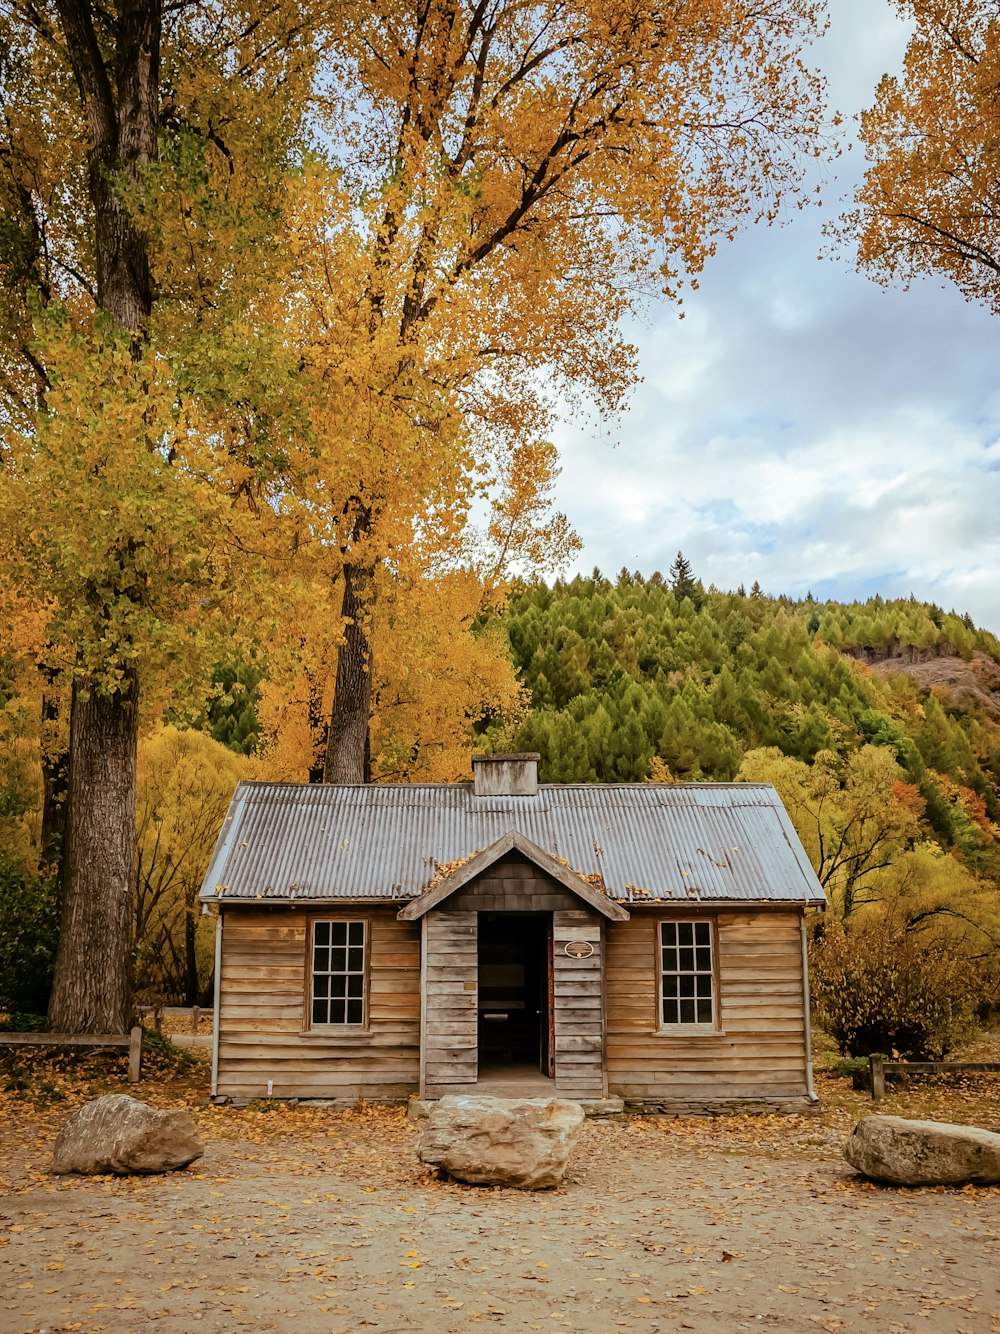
(929, 200)
(504, 183)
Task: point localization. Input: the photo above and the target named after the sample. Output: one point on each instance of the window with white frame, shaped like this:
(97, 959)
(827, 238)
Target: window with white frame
(338, 972)
(687, 986)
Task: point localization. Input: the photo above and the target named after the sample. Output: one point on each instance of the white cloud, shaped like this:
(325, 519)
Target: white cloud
(802, 426)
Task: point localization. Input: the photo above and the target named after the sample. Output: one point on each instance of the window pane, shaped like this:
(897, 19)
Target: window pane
(687, 995)
(338, 972)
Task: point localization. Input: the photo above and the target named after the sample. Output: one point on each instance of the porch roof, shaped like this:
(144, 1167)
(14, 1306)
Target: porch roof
(647, 842)
(453, 878)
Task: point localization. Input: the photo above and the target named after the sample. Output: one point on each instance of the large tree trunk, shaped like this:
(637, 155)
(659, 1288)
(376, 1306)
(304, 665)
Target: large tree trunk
(348, 755)
(91, 992)
(120, 101)
(123, 140)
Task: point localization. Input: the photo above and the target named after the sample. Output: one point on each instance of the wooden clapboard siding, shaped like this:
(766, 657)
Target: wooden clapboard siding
(451, 1021)
(759, 1050)
(579, 1008)
(263, 1032)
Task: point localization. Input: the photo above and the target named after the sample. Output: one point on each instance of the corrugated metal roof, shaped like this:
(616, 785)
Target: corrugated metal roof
(717, 842)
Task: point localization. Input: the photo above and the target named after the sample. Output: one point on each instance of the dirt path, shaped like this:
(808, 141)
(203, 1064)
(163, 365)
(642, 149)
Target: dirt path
(332, 1227)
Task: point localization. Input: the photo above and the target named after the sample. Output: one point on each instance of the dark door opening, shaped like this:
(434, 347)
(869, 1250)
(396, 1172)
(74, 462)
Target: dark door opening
(514, 991)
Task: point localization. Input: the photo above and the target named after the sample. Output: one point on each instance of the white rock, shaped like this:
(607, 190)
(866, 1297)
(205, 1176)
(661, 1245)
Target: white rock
(523, 1142)
(899, 1152)
(122, 1135)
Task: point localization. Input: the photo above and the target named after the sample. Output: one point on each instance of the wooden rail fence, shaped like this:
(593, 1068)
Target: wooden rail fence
(133, 1041)
(156, 1013)
(877, 1070)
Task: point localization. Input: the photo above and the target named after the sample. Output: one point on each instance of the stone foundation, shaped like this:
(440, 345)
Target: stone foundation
(727, 1107)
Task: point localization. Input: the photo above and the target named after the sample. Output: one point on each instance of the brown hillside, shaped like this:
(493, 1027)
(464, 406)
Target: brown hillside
(970, 685)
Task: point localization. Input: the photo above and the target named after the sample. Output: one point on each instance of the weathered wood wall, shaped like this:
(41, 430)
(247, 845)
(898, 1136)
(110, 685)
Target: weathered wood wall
(263, 1022)
(759, 1051)
(451, 995)
(512, 884)
(579, 1006)
(516, 885)
(607, 1038)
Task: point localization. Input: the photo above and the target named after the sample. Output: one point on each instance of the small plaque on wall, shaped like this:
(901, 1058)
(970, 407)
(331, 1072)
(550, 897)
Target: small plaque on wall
(578, 949)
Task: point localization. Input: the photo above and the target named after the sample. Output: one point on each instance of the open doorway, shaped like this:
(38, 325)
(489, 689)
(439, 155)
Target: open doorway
(514, 993)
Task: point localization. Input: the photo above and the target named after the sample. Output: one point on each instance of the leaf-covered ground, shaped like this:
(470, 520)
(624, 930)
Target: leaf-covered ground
(309, 1219)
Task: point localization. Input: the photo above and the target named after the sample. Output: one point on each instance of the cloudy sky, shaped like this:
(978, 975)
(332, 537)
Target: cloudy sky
(800, 425)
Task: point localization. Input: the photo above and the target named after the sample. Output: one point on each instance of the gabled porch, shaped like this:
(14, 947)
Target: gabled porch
(512, 981)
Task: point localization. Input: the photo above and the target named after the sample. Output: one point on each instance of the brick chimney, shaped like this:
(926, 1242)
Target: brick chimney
(506, 775)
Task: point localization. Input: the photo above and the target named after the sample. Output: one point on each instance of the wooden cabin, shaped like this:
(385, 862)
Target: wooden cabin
(641, 941)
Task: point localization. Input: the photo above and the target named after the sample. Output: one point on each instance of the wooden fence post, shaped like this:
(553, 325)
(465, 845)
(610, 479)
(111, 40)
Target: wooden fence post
(195, 1018)
(135, 1055)
(876, 1070)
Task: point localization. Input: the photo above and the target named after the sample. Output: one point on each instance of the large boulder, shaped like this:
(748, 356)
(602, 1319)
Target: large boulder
(122, 1135)
(899, 1152)
(523, 1142)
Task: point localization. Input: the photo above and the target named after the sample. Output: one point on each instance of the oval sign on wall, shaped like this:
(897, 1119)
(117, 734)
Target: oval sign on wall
(578, 949)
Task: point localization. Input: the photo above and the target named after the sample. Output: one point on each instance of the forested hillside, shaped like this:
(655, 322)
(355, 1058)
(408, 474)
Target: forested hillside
(628, 677)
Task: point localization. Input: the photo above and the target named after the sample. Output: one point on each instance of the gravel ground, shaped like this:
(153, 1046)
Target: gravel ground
(303, 1220)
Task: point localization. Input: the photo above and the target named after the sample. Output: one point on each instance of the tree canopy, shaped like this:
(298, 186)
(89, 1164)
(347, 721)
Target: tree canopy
(930, 197)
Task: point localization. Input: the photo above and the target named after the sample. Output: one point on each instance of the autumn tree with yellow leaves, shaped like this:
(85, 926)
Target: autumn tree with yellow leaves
(185, 783)
(136, 161)
(929, 200)
(507, 182)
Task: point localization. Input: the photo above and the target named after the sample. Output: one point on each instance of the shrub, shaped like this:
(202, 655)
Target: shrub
(29, 934)
(879, 988)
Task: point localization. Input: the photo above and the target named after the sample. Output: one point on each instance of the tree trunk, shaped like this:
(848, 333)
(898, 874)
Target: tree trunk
(91, 992)
(348, 755)
(120, 104)
(122, 139)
